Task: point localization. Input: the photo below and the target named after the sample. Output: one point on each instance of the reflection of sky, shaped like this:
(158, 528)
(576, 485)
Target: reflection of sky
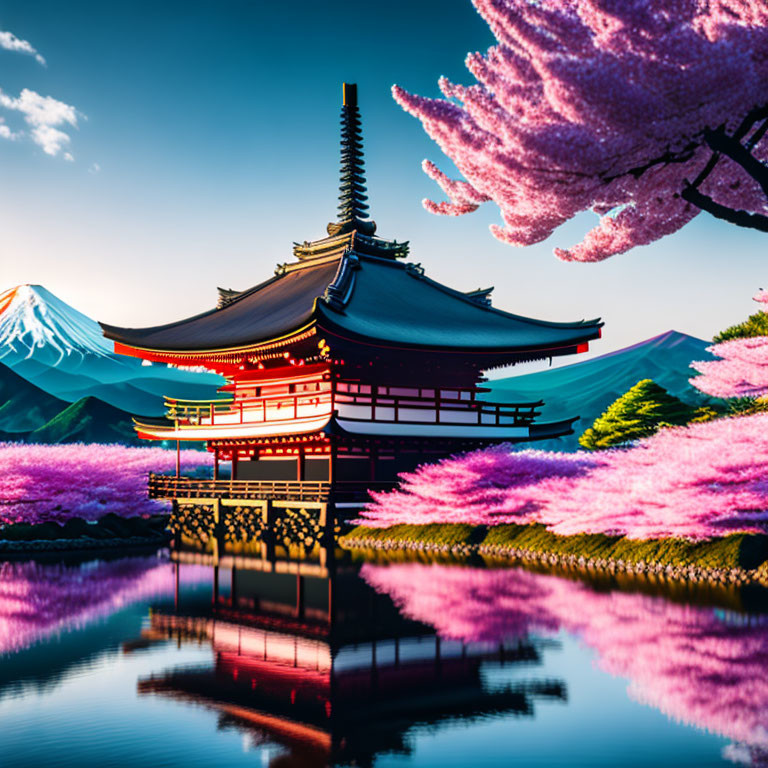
(215, 129)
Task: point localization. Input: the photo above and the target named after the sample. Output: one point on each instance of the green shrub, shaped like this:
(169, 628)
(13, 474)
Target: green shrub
(638, 413)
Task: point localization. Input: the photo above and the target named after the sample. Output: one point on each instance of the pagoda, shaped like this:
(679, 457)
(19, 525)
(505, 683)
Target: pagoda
(347, 367)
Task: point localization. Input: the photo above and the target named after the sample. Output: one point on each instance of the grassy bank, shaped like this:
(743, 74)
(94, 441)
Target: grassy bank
(677, 557)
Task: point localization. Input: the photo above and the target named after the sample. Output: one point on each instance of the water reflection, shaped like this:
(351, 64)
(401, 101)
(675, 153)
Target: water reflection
(319, 661)
(703, 666)
(39, 599)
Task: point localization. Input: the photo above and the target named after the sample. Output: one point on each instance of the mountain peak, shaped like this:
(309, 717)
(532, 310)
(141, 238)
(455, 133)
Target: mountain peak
(34, 319)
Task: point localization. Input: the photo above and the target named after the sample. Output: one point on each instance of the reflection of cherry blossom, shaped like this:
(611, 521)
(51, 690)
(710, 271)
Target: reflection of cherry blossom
(694, 664)
(742, 370)
(602, 106)
(58, 482)
(697, 481)
(37, 600)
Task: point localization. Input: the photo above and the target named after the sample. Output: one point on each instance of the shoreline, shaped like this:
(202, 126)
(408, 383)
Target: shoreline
(717, 561)
(109, 533)
(42, 546)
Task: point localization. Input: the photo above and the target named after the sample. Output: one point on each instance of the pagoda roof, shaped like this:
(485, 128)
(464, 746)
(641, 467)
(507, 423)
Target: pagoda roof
(266, 311)
(394, 303)
(364, 297)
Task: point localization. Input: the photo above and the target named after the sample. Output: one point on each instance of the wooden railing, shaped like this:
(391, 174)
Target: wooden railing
(435, 410)
(171, 487)
(249, 409)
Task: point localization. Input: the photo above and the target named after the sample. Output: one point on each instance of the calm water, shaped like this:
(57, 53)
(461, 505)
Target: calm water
(143, 661)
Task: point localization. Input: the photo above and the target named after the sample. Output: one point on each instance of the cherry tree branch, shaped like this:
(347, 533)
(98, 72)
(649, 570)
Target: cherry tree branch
(730, 146)
(740, 218)
(719, 141)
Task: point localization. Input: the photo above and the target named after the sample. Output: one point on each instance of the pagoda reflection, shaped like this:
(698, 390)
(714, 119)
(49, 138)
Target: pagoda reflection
(311, 658)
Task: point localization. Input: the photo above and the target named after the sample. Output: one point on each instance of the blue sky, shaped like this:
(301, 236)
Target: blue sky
(207, 141)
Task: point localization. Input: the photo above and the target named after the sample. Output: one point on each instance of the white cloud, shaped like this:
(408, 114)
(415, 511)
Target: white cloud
(50, 139)
(45, 115)
(40, 110)
(6, 132)
(95, 168)
(9, 42)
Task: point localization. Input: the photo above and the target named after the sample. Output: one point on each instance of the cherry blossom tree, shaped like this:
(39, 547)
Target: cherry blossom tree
(742, 370)
(54, 483)
(695, 482)
(642, 111)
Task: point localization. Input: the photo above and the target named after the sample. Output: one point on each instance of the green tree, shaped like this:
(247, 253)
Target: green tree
(754, 325)
(641, 412)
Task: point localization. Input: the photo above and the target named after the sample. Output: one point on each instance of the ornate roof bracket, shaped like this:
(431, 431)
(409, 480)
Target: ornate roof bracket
(414, 270)
(481, 296)
(338, 293)
(226, 296)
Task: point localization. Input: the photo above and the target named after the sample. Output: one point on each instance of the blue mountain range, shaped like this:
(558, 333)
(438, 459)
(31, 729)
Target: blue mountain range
(587, 388)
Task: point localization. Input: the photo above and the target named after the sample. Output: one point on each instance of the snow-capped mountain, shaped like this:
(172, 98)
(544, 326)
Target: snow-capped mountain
(62, 351)
(35, 323)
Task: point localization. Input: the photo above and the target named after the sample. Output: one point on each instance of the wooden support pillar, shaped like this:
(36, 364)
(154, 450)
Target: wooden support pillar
(268, 537)
(327, 522)
(233, 597)
(215, 463)
(234, 463)
(332, 461)
(299, 596)
(217, 533)
(178, 458)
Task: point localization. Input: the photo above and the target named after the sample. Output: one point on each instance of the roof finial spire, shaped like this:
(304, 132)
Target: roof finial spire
(353, 208)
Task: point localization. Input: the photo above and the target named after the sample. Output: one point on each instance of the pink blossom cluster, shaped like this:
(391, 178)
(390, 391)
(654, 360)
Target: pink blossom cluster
(696, 665)
(694, 482)
(742, 370)
(602, 106)
(41, 483)
(38, 600)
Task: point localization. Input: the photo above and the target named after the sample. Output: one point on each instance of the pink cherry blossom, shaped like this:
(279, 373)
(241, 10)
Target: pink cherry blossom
(699, 666)
(695, 482)
(42, 483)
(742, 370)
(602, 106)
(38, 600)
